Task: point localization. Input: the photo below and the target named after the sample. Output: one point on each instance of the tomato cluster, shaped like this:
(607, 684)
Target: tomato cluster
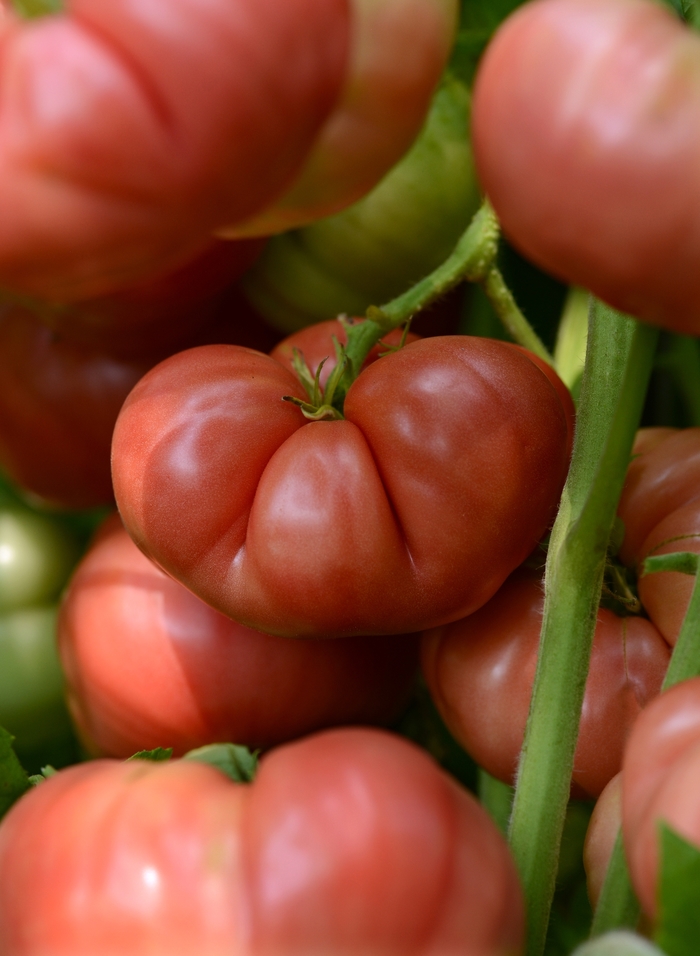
(301, 523)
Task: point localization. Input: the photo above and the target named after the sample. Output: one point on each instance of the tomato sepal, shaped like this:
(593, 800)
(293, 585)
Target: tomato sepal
(238, 763)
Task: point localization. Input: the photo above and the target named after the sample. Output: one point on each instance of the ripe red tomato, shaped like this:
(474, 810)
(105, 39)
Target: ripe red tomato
(148, 664)
(60, 397)
(158, 316)
(660, 781)
(481, 669)
(385, 97)
(581, 107)
(129, 134)
(350, 842)
(660, 507)
(390, 520)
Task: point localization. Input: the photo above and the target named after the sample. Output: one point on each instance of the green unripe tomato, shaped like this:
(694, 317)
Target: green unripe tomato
(37, 553)
(31, 681)
(382, 244)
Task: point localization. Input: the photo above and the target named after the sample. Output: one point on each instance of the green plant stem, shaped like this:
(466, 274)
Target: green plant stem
(496, 798)
(510, 315)
(618, 365)
(473, 260)
(618, 905)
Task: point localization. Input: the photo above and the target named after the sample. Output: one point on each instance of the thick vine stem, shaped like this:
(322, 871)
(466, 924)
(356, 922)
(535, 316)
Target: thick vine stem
(618, 365)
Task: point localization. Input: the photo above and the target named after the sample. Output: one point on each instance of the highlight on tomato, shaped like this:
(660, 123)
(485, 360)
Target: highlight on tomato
(481, 669)
(351, 842)
(581, 107)
(385, 520)
(149, 665)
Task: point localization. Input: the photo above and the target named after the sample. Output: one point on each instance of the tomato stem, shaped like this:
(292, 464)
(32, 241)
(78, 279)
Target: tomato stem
(618, 365)
(496, 798)
(473, 260)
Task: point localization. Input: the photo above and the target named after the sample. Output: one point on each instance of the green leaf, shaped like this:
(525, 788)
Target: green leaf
(159, 753)
(678, 925)
(618, 943)
(238, 763)
(46, 772)
(684, 561)
(36, 8)
(13, 777)
(478, 21)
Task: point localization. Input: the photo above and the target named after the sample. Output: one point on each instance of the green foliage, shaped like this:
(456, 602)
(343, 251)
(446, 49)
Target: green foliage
(13, 777)
(478, 21)
(678, 925)
(684, 562)
(237, 762)
(36, 8)
(157, 754)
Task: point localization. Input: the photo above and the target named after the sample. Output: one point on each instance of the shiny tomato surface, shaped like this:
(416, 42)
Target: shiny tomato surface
(481, 669)
(351, 842)
(587, 134)
(150, 665)
(387, 521)
(130, 132)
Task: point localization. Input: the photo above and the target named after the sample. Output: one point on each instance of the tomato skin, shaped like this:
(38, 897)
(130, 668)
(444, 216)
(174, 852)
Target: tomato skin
(156, 316)
(660, 480)
(603, 828)
(381, 523)
(481, 669)
(157, 858)
(378, 114)
(660, 780)
(148, 664)
(580, 108)
(116, 165)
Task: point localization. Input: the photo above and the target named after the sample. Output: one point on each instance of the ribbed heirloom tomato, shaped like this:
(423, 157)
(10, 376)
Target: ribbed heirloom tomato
(407, 513)
(586, 137)
(351, 842)
(150, 665)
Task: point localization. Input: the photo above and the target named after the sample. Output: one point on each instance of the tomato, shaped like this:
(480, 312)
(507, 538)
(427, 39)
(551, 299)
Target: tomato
(660, 780)
(601, 835)
(385, 242)
(660, 507)
(148, 664)
(348, 842)
(157, 316)
(390, 520)
(481, 669)
(59, 398)
(130, 135)
(581, 107)
(37, 554)
(384, 100)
